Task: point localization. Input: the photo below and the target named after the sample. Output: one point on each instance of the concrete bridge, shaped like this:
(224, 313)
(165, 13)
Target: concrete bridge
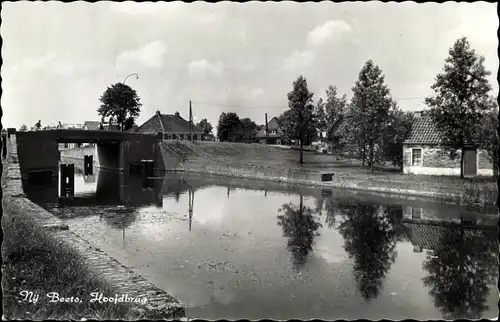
(38, 151)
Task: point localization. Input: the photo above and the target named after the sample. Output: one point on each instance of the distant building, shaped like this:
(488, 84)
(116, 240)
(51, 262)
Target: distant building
(173, 127)
(91, 125)
(424, 154)
(275, 133)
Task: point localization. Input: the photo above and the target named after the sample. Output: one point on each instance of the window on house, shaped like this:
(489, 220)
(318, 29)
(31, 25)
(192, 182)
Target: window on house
(416, 213)
(416, 157)
(181, 136)
(174, 136)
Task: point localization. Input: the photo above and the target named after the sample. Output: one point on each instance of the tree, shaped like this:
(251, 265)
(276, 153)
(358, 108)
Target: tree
(121, 102)
(230, 128)
(461, 99)
(250, 129)
(489, 139)
(335, 107)
(301, 228)
(129, 123)
(396, 131)
(205, 126)
(320, 116)
(371, 103)
(23, 128)
(300, 103)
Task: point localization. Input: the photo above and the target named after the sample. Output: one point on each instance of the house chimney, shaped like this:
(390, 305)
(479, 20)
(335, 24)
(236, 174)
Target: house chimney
(176, 113)
(417, 113)
(158, 112)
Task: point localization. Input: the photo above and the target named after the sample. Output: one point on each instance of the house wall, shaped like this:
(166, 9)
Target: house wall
(437, 162)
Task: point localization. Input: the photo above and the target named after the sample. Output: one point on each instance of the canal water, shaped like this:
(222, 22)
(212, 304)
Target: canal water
(232, 248)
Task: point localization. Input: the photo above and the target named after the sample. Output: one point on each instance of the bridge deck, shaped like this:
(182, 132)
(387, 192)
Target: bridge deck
(89, 136)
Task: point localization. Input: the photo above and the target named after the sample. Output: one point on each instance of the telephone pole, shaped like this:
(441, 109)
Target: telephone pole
(267, 132)
(190, 123)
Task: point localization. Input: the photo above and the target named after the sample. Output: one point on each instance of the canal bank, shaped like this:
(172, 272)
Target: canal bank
(276, 164)
(103, 272)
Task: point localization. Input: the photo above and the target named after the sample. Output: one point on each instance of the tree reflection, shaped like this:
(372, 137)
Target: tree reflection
(328, 205)
(120, 218)
(300, 227)
(369, 240)
(460, 270)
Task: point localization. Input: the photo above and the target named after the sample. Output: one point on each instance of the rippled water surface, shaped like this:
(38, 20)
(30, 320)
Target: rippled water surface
(229, 248)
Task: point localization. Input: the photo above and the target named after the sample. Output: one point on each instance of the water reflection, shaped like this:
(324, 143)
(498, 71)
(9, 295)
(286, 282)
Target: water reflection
(300, 227)
(369, 239)
(120, 218)
(461, 266)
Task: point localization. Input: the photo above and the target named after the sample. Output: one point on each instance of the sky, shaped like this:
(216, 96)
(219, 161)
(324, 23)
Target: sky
(58, 58)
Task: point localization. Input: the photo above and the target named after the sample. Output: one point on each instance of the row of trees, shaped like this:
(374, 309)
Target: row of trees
(461, 108)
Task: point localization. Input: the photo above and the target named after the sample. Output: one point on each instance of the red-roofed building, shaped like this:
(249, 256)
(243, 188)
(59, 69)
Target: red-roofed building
(424, 154)
(173, 127)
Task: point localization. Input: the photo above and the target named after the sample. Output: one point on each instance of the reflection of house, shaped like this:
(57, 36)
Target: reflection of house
(423, 155)
(173, 127)
(275, 133)
(429, 237)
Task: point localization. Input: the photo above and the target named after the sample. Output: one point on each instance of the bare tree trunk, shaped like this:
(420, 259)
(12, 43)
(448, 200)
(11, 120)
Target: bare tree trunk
(371, 155)
(363, 156)
(301, 151)
(462, 163)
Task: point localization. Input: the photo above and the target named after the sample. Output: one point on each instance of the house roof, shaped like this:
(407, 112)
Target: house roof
(424, 131)
(335, 125)
(92, 125)
(271, 125)
(172, 123)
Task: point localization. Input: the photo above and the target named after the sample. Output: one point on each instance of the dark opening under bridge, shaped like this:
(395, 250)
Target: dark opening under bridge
(38, 151)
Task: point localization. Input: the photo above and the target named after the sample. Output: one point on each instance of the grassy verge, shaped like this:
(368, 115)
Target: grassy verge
(35, 262)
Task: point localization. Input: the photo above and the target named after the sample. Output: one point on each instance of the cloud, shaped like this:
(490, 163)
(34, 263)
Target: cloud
(298, 60)
(332, 29)
(202, 66)
(48, 62)
(150, 55)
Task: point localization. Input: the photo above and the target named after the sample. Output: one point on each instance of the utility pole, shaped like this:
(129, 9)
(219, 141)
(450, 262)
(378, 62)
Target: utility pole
(267, 132)
(190, 123)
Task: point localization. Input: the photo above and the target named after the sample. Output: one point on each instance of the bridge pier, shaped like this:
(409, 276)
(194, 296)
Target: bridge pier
(67, 181)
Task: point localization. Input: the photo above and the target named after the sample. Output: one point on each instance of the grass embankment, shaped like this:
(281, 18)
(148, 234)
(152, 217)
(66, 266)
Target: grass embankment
(271, 160)
(35, 262)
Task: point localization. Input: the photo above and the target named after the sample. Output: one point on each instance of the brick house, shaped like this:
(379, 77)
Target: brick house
(422, 153)
(275, 133)
(173, 127)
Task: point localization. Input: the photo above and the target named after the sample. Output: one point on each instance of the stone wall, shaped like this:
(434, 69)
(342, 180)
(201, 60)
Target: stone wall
(435, 161)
